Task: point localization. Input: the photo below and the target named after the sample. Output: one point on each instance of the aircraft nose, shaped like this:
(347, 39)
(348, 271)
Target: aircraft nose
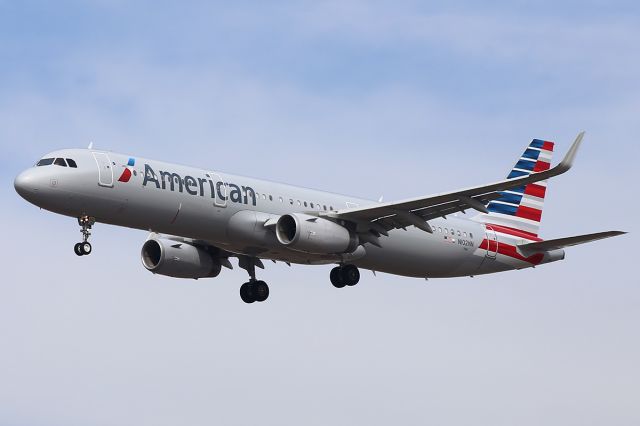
(25, 184)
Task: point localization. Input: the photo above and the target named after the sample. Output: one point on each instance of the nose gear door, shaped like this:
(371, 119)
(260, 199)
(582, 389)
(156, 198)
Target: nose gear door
(105, 170)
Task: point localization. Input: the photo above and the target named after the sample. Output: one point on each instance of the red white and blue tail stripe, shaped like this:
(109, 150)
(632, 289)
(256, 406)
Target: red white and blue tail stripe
(521, 208)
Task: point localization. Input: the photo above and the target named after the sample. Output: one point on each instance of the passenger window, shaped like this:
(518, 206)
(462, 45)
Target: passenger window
(440, 230)
(281, 200)
(331, 208)
(60, 162)
(311, 205)
(270, 198)
(299, 203)
(305, 204)
(446, 230)
(470, 235)
(264, 196)
(458, 233)
(44, 162)
(291, 201)
(465, 234)
(72, 163)
(325, 207)
(453, 232)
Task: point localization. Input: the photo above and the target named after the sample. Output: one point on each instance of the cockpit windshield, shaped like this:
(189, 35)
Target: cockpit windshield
(58, 162)
(45, 162)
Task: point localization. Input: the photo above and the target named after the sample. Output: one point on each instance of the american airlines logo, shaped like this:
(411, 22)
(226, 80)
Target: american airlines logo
(198, 186)
(126, 173)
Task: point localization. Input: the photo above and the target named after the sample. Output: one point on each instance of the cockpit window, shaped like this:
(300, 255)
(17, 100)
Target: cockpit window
(72, 163)
(45, 162)
(60, 162)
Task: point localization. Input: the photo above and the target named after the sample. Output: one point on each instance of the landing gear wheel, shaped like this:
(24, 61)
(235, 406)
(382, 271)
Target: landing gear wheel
(260, 291)
(76, 249)
(247, 293)
(350, 275)
(336, 277)
(254, 291)
(344, 275)
(85, 248)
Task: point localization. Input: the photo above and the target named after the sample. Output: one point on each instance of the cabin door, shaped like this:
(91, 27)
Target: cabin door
(492, 242)
(105, 169)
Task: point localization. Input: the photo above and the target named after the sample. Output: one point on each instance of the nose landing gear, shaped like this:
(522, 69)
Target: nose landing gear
(84, 247)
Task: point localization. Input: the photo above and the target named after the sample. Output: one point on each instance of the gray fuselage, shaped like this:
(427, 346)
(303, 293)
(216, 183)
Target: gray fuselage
(228, 211)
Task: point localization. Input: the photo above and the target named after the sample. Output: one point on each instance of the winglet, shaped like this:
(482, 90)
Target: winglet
(570, 156)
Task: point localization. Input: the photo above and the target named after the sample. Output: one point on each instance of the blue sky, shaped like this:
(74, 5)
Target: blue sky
(368, 98)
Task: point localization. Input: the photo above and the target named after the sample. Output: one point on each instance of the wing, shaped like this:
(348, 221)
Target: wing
(416, 211)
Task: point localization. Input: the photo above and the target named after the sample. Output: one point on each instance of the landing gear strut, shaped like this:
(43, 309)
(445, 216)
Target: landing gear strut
(344, 275)
(84, 247)
(254, 290)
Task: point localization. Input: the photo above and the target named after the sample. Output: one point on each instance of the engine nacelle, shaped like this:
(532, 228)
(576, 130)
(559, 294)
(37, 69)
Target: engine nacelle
(311, 234)
(179, 259)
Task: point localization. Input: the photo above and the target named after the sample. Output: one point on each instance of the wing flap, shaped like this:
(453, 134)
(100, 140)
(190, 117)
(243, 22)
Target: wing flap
(395, 221)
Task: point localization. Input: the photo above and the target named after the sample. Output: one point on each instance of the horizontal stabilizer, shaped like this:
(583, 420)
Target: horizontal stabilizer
(560, 243)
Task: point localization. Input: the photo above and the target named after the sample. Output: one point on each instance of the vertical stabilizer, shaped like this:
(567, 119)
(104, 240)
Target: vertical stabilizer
(520, 208)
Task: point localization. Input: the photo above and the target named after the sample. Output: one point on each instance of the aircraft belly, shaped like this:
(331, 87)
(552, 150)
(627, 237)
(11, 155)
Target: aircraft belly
(180, 215)
(419, 254)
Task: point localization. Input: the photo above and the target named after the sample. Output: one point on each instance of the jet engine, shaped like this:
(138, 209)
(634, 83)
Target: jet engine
(311, 234)
(179, 259)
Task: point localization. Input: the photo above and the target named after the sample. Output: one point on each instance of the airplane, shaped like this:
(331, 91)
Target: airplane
(200, 218)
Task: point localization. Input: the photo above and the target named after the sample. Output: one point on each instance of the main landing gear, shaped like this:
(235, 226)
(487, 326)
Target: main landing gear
(84, 247)
(254, 290)
(344, 275)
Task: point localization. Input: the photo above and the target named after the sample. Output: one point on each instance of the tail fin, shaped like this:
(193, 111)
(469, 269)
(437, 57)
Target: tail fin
(521, 207)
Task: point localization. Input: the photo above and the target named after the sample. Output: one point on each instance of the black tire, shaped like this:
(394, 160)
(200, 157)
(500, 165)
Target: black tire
(85, 248)
(336, 278)
(76, 249)
(350, 275)
(246, 293)
(260, 291)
